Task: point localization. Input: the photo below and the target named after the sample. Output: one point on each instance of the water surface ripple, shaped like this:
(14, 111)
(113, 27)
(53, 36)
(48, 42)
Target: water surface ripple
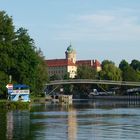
(80, 121)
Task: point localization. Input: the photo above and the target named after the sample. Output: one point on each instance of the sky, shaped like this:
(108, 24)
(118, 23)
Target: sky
(96, 29)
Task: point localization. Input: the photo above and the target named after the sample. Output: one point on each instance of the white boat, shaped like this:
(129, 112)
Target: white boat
(96, 93)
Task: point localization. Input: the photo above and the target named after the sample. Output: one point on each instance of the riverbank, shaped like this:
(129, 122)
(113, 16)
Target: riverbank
(67, 99)
(108, 98)
(5, 104)
(118, 97)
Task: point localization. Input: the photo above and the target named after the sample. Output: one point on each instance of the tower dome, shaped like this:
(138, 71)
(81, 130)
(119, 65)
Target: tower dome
(70, 49)
(71, 54)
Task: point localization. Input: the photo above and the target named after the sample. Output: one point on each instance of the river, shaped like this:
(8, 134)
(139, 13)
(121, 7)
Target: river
(84, 120)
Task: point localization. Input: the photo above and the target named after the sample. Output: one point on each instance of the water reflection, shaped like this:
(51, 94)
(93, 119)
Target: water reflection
(3, 123)
(72, 124)
(90, 120)
(105, 104)
(55, 122)
(18, 124)
(10, 125)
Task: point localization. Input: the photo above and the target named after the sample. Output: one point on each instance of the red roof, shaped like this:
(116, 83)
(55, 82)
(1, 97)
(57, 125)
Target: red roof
(59, 62)
(92, 63)
(83, 62)
(67, 62)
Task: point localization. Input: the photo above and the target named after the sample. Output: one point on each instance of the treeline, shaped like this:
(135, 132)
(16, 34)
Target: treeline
(19, 58)
(123, 72)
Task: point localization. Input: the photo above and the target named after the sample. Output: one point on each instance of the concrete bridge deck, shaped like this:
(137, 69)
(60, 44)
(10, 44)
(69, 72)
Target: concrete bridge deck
(90, 81)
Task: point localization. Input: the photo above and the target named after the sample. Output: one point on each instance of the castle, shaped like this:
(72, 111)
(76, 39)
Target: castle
(61, 67)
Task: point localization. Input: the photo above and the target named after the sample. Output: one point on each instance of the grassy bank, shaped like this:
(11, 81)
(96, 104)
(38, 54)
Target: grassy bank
(4, 104)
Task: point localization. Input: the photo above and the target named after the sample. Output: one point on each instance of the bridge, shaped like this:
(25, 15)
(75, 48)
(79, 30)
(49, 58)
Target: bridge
(90, 81)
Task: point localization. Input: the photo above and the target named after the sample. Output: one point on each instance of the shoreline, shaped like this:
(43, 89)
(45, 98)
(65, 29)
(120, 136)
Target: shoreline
(7, 105)
(109, 98)
(118, 97)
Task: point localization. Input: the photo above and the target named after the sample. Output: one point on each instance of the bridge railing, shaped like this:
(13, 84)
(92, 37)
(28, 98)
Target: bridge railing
(91, 81)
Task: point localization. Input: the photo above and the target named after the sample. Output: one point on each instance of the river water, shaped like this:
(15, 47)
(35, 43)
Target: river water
(84, 120)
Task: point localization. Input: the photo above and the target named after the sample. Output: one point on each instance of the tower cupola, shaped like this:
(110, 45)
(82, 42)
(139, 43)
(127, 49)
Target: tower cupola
(71, 54)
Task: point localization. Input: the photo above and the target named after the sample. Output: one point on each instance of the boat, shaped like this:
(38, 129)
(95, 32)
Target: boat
(97, 93)
(19, 93)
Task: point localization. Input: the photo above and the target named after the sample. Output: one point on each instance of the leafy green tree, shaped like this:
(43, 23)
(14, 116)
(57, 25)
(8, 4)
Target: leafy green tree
(7, 35)
(66, 76)
(123, 65)
(135, 64)
(130, 74)
(106, 62)
(19, 57)
(68, 88)
(41, 75)
(138, 74)
(128, 71)
(54, 77)
(86, 72)
(110, 71)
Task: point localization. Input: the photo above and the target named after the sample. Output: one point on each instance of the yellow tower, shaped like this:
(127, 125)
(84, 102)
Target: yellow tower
(71, 54)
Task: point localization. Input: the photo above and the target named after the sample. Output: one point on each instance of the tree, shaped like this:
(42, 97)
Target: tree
(68, 88)
(106, 62)
(130, 74)
(128, 71)
(19, 57)
(86, 72)
(54, 77)
(135, 64)
(123, 65)
(110, 71)
(7, 35)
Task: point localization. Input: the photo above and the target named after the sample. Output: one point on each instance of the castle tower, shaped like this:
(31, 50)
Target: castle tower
(71, 54)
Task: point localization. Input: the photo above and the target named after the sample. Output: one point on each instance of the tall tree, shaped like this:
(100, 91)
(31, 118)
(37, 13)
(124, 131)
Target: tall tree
(123, 65)
(7, 35)
(19, 57)
(128, 72)
(135, 64)
(86, 72)
(110, 71)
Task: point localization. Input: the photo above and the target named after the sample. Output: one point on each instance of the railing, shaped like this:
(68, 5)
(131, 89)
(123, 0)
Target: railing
(90, 81)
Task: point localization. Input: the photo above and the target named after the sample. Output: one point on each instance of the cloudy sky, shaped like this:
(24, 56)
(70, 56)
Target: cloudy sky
(97, 29)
